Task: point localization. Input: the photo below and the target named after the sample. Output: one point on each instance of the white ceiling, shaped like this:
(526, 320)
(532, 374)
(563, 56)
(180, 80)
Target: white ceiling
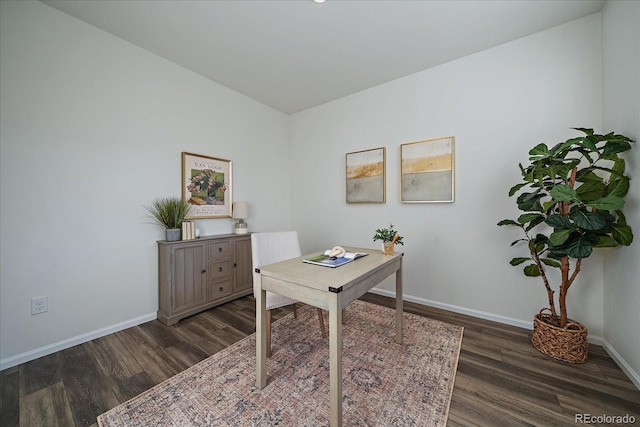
(295, 54)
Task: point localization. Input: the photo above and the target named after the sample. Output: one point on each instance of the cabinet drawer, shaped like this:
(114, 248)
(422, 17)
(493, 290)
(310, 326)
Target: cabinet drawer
(218, 250)
(220, 289)
(219, 270)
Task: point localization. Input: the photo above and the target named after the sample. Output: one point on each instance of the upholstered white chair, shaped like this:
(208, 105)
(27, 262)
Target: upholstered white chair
(268, 248)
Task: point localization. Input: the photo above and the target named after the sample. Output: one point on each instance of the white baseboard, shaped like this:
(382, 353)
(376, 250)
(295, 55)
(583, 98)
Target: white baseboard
(633, 375)
(526, 324)
(79, 339)
(597, 340)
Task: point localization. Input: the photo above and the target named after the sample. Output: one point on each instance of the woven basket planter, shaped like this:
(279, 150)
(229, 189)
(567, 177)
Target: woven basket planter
(568, 344)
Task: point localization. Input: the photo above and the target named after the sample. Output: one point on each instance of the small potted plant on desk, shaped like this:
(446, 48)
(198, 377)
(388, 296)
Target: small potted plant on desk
(389, 237)
(571, 199)
(169, 212)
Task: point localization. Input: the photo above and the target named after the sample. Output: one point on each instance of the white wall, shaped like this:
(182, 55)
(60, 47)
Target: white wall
(498, 104)
(92, 129)
(621, 65)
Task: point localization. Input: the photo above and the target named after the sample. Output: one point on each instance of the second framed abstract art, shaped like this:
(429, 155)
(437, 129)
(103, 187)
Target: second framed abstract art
(427, 171)
(366, 180)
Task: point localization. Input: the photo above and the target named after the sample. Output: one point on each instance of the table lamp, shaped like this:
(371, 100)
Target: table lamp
(241, 212)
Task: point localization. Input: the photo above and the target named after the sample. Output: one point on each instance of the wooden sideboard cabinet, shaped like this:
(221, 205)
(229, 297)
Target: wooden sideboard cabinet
(195, 275)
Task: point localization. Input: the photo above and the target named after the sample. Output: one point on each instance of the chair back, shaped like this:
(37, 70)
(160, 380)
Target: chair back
(270, 247)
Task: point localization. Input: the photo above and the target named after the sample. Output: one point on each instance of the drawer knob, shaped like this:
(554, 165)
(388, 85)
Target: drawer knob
(203, 271)
(220, 269)
(221, 289)
(219, 249)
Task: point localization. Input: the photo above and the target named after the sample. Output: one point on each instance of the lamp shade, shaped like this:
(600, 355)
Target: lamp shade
(240, 210)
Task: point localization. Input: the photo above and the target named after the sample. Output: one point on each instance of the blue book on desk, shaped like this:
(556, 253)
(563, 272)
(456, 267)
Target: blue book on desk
(327, 261)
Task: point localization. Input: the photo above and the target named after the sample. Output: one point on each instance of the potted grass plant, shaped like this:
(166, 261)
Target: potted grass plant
(571, 197)
(169, 212)
(389, 237)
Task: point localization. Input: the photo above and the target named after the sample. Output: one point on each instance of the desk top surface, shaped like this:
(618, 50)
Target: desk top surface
(322, 277)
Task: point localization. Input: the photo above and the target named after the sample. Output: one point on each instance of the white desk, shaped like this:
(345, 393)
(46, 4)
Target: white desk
(331, 289)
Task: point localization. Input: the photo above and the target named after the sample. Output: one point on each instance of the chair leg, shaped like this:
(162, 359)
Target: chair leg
(268, 333)
(295, 311)
(321, 319)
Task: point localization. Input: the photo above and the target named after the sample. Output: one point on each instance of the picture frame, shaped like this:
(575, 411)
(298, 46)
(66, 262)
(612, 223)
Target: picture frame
(366, 176)
(207, 186)
(427, 172)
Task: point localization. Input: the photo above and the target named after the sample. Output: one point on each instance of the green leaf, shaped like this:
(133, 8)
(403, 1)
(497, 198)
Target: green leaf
(539, 151)
(564, 145)
(531, 271)
(606, 242)
(592, 220)
(517, 261)
(585, 130)
(590, 143)
(508, 222)
(591, 190)
(608, 203)
(546, 206)
(515, 188)
(559, 221)
(550, 262)
(586, 175)
(615, 146)
(534, 222)
(528, 217)
(622, 220)
(530, 201)
(559, 237)
(619, 186)
(564, 193)
(581, 248)
(618, 166)
(622, 234)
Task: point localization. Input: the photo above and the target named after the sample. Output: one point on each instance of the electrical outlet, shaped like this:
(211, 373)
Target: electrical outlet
(39, 305)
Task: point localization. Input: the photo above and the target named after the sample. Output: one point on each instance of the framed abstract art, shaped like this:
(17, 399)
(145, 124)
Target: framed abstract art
(427, 171)
(366, 176)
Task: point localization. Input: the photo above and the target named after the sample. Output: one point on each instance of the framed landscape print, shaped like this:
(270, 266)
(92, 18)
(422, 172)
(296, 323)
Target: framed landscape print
(427, 171)
(366, 176)
(206, 185)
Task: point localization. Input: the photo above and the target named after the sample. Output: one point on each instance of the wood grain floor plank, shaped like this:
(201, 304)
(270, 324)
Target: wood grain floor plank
(128, 388)
(10, 396)
(89, 391)
(203, 338)
(114, 358)
(499, 398)
(37, 409)
(154, 359)
(46, 407)
(490, 373)
(467, 411)
(38, 374)
(577, 403)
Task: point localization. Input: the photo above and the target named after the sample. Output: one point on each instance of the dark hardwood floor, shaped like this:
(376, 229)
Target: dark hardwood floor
(501, 380)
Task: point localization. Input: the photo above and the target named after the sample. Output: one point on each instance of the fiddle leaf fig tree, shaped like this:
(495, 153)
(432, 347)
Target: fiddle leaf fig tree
(571, 198)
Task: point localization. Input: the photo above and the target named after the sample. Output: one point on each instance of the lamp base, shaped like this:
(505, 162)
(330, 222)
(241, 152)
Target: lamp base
(241, 228)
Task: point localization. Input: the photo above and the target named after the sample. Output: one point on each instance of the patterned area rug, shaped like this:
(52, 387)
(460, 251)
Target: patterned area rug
(384, 384)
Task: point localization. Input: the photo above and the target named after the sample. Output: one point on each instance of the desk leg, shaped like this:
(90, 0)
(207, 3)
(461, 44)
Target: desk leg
(399, 304)
(261, 334)
(335, 363)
